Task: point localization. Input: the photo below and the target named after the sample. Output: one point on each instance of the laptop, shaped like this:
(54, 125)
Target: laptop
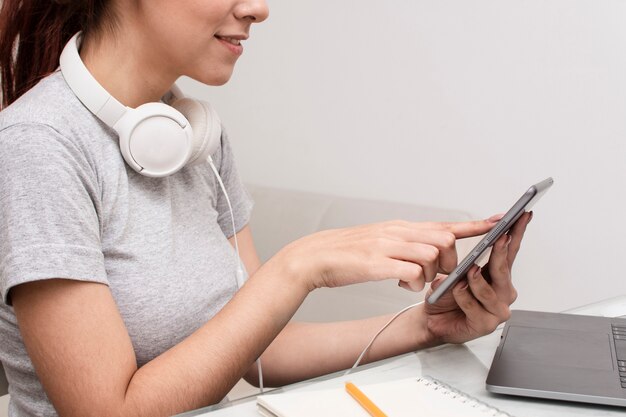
(562, 357)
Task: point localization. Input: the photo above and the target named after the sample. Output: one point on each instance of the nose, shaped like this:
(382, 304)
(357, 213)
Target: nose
(255, 10)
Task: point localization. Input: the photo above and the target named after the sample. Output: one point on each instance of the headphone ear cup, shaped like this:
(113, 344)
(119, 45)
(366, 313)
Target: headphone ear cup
(155, 139)
(206, 126)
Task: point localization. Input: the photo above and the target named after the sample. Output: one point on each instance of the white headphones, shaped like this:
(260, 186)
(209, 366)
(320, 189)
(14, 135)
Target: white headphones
(156, 139)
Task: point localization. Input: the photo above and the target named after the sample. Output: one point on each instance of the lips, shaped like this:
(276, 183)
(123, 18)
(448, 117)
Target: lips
(232, 42)
(228, 39)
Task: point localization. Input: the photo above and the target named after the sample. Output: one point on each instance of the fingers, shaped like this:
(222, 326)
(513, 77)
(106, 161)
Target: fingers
(414, 253)
(443, 242)
(478, 319)
(437, 281)
(381, 265)
(409, 274)
(424, 255)
(416, 267)
(467, 229)
(517, 233)
(494, 303)
(458, 229)
(501, 260)
(484, 310)
(412, 285)
(431, 247)
(498, 268)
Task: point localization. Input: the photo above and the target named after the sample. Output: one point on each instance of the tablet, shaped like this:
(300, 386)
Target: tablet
(528, 199)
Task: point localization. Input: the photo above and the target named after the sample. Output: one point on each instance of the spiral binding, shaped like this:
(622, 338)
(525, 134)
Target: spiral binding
(446, 389)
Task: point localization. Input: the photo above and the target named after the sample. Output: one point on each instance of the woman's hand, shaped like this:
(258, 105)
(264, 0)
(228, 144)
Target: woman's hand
(478, 304)
(413, 253)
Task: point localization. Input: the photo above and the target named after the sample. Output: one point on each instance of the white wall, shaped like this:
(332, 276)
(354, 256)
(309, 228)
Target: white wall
(420, 101)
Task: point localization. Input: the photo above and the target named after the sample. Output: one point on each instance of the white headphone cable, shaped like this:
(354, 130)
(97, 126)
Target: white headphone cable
(239, 275)
(398, 314)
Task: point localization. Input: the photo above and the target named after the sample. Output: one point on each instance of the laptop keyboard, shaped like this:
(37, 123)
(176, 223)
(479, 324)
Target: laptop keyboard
(619, 336)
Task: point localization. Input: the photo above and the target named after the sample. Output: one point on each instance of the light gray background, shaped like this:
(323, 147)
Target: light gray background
(418, 101)
(407, 100)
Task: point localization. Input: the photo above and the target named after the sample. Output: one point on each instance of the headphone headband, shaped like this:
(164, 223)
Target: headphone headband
(86, 87)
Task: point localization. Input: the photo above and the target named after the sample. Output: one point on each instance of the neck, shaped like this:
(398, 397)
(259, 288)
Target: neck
(129, 69)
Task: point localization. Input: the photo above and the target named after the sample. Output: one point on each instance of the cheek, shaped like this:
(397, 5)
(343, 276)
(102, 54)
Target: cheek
(182, 27)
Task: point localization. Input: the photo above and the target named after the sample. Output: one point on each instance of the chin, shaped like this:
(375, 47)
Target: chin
(213, 78)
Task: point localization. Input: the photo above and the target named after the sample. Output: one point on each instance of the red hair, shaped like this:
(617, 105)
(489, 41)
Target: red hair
(32, 35)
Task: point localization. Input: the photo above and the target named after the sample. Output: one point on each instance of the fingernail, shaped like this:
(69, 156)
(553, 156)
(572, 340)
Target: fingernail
(530, 217)
(464, 286)
(475, 273)
(508, 240)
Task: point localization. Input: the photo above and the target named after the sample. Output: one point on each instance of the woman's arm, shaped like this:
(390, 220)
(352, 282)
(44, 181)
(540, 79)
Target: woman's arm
(83, 355)
(307, 350)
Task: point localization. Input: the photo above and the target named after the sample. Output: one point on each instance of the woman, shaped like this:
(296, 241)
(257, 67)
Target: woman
(118, 289)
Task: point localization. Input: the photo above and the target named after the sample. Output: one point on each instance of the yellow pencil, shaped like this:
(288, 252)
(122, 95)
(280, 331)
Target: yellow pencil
(365, 402)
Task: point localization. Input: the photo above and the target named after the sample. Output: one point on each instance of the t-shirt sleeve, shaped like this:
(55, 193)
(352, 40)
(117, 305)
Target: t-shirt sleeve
(240, 198)
(49, 199)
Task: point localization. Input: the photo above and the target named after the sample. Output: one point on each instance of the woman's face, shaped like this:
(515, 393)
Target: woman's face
(198, 38)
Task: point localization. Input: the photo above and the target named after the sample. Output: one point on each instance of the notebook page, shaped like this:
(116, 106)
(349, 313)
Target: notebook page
(405, 397)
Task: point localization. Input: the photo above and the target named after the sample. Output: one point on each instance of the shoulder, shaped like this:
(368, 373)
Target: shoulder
(49, 121)
(52, 103)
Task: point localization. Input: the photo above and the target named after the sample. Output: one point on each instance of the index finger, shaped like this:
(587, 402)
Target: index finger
(464, 229)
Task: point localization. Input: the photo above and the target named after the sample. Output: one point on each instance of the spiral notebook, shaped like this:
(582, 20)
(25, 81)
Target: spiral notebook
(424, 396)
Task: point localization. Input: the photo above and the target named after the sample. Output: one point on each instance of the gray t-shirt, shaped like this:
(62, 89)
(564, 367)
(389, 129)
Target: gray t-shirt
(71, 208)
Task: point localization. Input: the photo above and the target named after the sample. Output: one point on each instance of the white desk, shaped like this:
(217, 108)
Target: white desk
(464, 367)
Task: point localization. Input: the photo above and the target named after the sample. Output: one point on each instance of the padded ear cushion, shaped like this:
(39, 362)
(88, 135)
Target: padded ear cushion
(206, 126)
